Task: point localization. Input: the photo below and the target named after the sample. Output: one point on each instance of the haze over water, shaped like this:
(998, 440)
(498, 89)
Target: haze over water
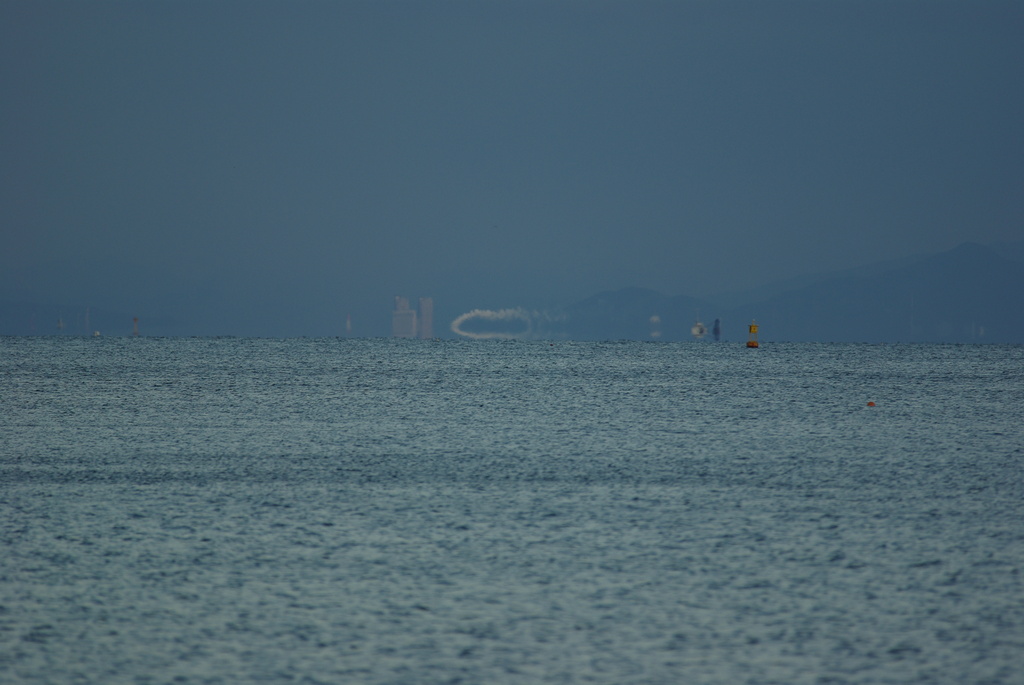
(404, 511)
(274, 168)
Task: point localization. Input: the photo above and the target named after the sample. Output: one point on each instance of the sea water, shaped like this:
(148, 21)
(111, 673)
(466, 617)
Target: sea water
(405, 511)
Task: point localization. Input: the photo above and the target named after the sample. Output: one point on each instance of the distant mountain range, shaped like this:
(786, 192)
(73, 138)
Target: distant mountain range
(970, 294)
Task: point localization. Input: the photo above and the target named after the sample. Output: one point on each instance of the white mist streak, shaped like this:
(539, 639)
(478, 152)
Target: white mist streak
(493, 315)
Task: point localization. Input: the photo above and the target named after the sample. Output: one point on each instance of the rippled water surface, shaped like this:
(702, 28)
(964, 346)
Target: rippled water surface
(385, 511)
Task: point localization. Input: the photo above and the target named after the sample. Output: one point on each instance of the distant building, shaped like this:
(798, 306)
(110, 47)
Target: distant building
(426, 320)
(403, 319)
(405, 323)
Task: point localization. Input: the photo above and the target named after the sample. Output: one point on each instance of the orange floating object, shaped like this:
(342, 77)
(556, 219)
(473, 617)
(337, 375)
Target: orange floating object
(871, 404)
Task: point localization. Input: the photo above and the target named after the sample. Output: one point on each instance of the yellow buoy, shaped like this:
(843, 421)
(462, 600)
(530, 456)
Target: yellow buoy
(752, 341)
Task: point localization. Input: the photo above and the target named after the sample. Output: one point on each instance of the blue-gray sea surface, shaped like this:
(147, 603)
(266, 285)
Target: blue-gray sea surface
(390, 511)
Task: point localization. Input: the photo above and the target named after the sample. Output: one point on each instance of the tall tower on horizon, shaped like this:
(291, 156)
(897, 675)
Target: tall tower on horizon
(403, 319)
(426, 321)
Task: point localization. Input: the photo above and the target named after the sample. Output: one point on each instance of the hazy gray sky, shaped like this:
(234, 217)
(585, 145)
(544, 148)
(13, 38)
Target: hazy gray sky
(270, 167)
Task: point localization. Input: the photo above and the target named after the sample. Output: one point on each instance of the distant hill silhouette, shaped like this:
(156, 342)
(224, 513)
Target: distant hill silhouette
(632, 314)
(970, 294)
